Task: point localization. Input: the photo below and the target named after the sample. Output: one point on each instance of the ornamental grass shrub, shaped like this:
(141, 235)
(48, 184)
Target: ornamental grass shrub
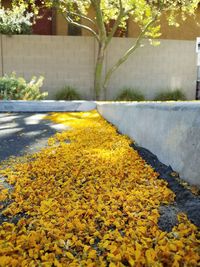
(68, 93)
(170, 95)
(16, 88)
(129, 94)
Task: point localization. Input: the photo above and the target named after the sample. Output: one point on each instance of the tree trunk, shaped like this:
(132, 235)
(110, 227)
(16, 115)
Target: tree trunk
(99, 71)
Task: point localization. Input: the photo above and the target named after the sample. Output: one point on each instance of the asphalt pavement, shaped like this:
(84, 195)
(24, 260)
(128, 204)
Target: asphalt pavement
(22, 133)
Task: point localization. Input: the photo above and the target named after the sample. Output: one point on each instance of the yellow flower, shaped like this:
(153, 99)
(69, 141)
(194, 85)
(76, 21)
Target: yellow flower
(91, 200)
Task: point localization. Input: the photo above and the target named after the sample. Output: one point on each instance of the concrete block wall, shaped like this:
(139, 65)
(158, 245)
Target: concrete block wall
(68, 60)
(61, 60)
(151, 69)
(169, 130)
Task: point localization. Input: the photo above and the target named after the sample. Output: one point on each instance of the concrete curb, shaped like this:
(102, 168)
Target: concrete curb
(45, 106)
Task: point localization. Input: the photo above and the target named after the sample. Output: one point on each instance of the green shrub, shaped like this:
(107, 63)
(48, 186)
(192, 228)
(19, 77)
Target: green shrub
(15, 21)
(128, 94)
(170, 95)
(13, 88)
(68, 93)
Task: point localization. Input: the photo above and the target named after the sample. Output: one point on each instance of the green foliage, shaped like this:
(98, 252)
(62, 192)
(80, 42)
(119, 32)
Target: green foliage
(15, 21)
(146, 13)
(141, 11)
(128, 94)
(13, 88)
(170, 95)
(68, 93)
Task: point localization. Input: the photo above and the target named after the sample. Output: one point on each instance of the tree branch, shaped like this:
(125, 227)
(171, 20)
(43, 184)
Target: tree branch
(71, 21)
(99, 19)
(127, 54)
(82, 16)
(120, 5)
(116, 24)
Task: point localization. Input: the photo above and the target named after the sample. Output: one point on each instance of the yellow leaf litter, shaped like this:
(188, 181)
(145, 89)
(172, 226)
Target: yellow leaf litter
(91, 200)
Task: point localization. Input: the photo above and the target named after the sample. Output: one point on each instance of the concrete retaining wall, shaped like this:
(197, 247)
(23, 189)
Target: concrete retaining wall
(70, 60)
(169, 130)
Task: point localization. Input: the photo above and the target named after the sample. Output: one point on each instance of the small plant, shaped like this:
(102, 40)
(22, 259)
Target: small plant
(16, 88)
(15, 21)
(128, 94)
(170, 95)
(68, 93)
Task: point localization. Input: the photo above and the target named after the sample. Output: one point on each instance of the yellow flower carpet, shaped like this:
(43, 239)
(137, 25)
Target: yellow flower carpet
(90, 200)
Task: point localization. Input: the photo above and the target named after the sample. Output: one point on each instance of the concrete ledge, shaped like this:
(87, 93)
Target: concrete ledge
(169, 130)
(46, 106)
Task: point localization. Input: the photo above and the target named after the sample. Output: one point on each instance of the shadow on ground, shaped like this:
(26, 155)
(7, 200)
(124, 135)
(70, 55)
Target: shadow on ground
(22, 133)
